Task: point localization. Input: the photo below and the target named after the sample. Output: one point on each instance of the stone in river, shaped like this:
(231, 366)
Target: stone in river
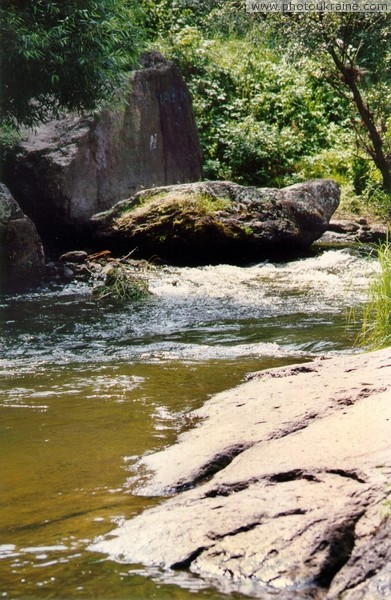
(218, 221)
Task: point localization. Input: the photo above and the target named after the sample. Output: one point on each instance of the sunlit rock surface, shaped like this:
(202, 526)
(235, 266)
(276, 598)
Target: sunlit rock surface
(218, 221)
(282, 489)
(21, 252)
(71, 168)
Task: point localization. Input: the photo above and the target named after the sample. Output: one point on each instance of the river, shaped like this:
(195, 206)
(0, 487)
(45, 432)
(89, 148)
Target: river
(87, 387)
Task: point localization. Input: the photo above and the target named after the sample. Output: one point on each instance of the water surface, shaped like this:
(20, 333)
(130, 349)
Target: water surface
(87, 388)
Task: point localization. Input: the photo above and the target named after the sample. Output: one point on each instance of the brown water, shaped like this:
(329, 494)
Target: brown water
(86, 389)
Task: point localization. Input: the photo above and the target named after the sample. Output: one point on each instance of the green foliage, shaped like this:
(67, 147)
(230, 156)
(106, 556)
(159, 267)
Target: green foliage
(121, 285)
(209, 205)
(360, 173)
(9, 136)
(354, 53)
(271, 107)
(377, 200)
(334, 163)
(56, 55)
(257, 113)
(376, 328)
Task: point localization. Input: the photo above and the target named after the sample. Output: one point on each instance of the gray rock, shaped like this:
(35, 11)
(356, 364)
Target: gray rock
(343, 231)
(71, 168)
(281, 489)
(218, 221)
(67, 273)
(74, 257)
(343, 226)
(373, 234)
(21, 251)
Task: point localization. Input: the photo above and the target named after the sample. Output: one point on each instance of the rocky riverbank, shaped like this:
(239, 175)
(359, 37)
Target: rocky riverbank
(282, 490)
(354, 230)
(80, 265)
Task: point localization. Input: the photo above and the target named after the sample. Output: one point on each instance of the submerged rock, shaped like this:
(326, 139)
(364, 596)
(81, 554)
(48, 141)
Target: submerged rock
(68, 169)
(282, 490)
(218, 221)
(21, 252)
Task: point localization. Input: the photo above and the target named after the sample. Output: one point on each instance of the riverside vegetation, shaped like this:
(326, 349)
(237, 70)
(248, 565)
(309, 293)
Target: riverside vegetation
(273, 106)
(277, 99)
(119, 283)
(90, 387)
(376, 327)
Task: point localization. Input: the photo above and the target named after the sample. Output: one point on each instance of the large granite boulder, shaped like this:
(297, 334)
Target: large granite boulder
(282, 490)
(22, 258)
(68, 169)
(218, 221)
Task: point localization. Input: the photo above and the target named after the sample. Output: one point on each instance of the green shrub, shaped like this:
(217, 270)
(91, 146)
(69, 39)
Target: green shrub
(266, 114)
(377, 200)
(257, 113)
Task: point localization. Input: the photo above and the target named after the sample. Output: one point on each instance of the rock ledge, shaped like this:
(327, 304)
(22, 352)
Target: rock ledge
(281, 490)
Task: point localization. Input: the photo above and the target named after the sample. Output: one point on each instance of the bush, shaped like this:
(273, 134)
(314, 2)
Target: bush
(257, 113)
(266, 114)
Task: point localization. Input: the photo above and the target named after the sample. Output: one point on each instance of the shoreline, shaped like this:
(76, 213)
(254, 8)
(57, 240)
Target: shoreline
(280, 488)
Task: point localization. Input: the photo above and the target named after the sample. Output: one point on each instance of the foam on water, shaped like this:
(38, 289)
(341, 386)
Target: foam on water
(218, 311)
(336, 273)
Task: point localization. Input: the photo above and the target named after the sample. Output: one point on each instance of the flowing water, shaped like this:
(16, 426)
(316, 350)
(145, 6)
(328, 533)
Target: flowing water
(87, 388)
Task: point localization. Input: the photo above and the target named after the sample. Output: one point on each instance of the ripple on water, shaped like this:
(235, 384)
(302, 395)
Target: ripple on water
(115, 383)
(217, 312)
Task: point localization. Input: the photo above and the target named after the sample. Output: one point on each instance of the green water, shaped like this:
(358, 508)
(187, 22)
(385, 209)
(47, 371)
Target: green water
(86, 389)
(64, 467)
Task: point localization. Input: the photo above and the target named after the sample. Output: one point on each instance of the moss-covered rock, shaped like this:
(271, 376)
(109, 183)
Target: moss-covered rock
(218, 221)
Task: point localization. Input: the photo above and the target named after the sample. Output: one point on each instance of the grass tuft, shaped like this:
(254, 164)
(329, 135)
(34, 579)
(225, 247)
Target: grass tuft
(121, 285)
(376, 327)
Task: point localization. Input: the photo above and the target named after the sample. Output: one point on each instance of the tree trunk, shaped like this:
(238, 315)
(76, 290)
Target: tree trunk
(378, 155)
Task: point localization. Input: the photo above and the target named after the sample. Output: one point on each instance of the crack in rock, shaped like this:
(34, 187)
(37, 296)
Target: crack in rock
(228, 489)
(350, 474)
(340, 544)
(217, 463)
(368, 571)
(225, 490)
(294, 427)
(289, 513)
(292, 476)
(241, 529)
(351, 396)
(186, 562)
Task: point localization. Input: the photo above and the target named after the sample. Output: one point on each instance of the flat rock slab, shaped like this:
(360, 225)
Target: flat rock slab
(282, 489)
